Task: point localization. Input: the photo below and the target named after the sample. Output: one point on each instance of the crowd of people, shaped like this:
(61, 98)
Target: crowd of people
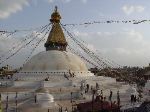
(98, 92)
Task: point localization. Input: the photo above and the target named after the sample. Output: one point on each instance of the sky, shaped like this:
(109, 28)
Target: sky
(126, 44)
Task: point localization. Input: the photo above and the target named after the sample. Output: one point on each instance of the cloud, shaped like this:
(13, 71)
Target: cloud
(50, 1)
(8, 7)
(140, 8)
(9, 45)
(125, 47)
(66, 1)
(6, 42)
(132, 9)
(84, 1)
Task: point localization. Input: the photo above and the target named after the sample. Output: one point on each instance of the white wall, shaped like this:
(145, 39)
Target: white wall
(12, 95)
(63, 96)
(6, 83)
(56, 84)
(28, 84)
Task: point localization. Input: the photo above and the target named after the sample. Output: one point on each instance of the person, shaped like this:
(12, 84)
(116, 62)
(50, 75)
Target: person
(73, 75)
(85, 90)
(81, 94)
(110, 96)
(35, 98)
(101, 93)
(91, 88)
(105, 98)
(101, 98)
(87, 87)
(97, 99)
(135, 99)
(97, 86)
(118, 98)
(70, 73)
(81, 87)
(132, 98)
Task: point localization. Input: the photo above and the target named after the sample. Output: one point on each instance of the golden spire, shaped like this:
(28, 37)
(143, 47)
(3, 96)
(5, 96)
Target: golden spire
(56, 39)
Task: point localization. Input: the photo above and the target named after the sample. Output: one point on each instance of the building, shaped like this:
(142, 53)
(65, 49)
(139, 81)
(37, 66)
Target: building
(6, 72)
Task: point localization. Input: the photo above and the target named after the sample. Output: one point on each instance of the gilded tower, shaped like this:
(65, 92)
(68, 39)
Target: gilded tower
(56, 39)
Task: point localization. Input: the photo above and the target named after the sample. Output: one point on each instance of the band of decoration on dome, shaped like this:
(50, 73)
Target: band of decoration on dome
(56, 39)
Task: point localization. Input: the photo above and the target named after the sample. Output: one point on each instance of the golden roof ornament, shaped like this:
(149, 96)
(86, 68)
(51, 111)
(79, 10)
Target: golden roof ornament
(55, 17)
(56, 39)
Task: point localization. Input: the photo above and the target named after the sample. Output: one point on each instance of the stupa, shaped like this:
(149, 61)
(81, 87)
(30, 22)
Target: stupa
(55, 61)
(56, 68)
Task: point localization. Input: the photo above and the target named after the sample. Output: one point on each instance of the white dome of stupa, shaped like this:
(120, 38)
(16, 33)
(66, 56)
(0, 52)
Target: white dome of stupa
(43, 97)
(45, 100)
(55, 60)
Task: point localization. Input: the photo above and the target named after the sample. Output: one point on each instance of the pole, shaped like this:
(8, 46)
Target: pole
(35, 98)
(93, 93)
(7, 103)
(16, 100)
(0, 103)
(118, 99)
(71, 102)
